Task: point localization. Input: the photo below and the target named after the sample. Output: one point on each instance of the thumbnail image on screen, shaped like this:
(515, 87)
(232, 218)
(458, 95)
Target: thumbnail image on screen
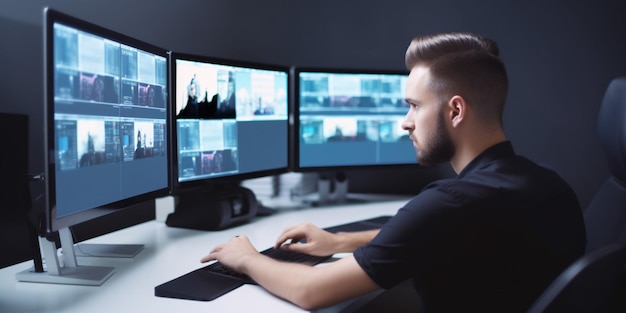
(110, 120)
(351, 119)
(231, 119)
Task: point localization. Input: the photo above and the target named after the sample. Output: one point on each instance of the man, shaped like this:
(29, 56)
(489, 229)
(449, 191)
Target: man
(490, 240)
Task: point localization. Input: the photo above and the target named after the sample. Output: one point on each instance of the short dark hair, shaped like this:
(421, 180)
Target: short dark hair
(463, 64)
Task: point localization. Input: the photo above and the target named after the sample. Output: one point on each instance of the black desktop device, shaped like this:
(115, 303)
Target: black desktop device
(230, 122)
(214, 280)
(346, 119)
(106, 120)
(15, 226)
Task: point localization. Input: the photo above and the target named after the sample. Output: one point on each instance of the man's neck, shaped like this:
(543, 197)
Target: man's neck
(469, 148)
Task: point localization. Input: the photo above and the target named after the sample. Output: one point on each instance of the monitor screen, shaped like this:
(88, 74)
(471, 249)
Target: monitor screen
(347, 119)
(106, 108)
(231, 119)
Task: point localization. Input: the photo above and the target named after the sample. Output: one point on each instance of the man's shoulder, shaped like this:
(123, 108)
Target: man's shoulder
(498, 180)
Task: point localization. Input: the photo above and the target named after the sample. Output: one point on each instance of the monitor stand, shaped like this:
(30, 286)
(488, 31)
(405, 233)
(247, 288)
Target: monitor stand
(67, 272)
(332, 190)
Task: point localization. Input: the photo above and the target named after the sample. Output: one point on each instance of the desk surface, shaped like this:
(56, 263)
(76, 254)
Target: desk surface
(169, 253)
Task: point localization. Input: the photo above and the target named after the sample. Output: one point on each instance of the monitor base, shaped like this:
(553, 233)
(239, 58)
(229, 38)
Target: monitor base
(344, 201)
(68, 271)
(264, 210)
(80, 275)
(213, 209)
(107, 250)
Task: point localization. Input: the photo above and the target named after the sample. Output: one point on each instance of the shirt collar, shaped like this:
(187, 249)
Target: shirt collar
(498, 151)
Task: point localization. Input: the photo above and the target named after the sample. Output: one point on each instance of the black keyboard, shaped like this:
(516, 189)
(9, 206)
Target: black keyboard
(214, 280)
(290, 256)
(362, 225)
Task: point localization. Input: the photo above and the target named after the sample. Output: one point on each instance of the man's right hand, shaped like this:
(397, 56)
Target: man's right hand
(308, 238)
(316, 241)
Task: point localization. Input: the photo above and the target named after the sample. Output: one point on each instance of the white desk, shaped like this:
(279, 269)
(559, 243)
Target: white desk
(169, 253)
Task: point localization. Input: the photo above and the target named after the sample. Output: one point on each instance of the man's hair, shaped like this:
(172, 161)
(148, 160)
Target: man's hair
(463, 64)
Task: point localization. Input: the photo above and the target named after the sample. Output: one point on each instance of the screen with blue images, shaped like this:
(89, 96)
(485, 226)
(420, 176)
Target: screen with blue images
(347, 119)
(110, 120)
(231, 120)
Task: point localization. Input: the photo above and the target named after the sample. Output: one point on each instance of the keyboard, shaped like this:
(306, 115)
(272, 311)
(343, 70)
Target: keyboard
(362, 225)
(214, 280)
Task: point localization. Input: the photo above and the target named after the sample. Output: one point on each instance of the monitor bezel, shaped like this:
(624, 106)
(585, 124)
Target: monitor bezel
(295, 165)
(54, 223)
(234, 179)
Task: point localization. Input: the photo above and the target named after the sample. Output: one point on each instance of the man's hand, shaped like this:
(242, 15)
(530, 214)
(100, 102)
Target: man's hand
(233, 253)
(318, 241)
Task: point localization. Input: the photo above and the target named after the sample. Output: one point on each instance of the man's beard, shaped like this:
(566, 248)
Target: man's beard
(439, 147)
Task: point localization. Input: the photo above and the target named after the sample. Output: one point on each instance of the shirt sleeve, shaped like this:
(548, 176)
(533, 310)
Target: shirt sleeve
(422, 234)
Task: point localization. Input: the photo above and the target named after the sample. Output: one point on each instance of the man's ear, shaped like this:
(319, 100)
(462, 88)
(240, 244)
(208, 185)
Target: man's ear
(458, 110)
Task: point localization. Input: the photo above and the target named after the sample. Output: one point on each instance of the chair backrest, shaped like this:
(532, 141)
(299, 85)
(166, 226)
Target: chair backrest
(605, 216)
(587, 285)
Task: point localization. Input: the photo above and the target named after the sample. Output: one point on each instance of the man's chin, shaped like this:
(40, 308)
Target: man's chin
(430, 162)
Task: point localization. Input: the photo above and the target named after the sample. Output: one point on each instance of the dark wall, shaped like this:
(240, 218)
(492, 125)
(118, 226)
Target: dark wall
(560, 59)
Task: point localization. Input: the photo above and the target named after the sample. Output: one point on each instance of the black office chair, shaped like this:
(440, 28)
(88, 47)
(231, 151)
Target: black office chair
(588, 285)
(605, 221)
(605, 216)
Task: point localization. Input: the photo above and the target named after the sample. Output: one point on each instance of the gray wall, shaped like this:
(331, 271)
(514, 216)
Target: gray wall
(560, 59)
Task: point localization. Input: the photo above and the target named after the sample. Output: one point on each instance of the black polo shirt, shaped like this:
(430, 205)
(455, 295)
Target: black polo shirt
(490, 240)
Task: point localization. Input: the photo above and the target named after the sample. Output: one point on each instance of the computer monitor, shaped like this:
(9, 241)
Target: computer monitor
(349, 119)
(105, 130)
(231, 123)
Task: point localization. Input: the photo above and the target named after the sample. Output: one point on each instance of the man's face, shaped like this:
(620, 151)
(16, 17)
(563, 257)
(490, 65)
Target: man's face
(425, 120)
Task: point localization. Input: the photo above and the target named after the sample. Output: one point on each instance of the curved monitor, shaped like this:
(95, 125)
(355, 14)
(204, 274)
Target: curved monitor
(231, 120)
(106, 120)
(348, 119)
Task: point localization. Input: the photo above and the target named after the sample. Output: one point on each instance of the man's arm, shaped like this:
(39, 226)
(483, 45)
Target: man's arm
(305, 286)
(321, 242)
